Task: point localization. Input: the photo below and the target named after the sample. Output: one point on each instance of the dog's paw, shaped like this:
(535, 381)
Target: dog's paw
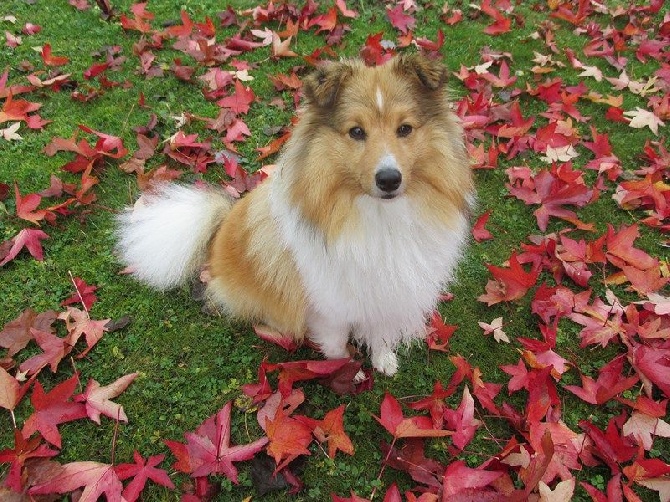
(386, 363)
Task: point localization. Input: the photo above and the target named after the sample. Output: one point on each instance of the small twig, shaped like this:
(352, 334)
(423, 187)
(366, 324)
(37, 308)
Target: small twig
(116, 433)
(483, 421)
(74, 368)
(381, 471)
(81, 298)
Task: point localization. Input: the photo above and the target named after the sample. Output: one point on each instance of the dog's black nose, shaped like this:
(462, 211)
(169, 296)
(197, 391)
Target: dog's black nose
(388, 180)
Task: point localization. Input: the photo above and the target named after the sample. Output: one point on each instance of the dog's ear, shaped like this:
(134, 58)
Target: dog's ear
(322, 86)
(431, 73)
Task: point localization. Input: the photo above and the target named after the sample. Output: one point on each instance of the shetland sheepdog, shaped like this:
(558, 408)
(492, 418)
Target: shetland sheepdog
(354, 234)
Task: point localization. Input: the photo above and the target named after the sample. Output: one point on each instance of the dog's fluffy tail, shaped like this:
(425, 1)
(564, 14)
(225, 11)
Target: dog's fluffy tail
(164, 237)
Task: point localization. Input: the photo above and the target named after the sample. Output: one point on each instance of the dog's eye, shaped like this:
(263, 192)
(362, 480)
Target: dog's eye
(357, 133)
(404, 130)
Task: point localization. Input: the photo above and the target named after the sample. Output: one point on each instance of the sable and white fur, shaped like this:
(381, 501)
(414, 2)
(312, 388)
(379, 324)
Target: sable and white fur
(356, 232)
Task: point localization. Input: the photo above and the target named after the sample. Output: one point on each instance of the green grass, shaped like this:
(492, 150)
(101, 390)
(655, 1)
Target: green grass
(190, 364)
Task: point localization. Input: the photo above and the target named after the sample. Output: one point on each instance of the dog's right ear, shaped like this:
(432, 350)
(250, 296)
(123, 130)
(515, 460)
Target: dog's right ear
(323, 85)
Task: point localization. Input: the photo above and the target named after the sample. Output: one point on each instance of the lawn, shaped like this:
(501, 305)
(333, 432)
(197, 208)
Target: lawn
(546, 372)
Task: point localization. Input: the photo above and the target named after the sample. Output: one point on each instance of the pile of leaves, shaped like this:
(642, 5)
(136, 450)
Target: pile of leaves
(526, 129)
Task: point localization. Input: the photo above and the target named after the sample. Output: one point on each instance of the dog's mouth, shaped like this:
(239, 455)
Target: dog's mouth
(389, 196)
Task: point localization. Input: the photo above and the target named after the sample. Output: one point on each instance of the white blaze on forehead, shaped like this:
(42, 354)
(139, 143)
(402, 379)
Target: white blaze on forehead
(380, 99)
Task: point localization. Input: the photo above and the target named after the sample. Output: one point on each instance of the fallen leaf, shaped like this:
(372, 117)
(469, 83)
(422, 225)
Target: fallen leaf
(96, 479)
(98, 399)
(208, 450)
(52, 409)
(644, 118)
(29, 238)
(392, 419)
(142, 471)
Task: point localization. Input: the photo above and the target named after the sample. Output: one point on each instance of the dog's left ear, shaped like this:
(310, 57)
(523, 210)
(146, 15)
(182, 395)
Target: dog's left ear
(431, 73)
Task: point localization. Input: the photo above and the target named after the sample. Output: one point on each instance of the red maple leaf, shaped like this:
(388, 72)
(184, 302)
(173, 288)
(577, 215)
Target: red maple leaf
(16, 334)
(294, 371)
(438, 333)
(373, 52)
(96, 479)
(552, 190)
(52, 409)
(24, 449)
(79, 323)
(325, 22)
(509, 283)
(208, 450)
(181, 30)
(51, 60)
(140, 16)
(240, 101)
(392, 419)
(330, 430)
(342, 6)
(411, 458)
(434, 403)
(30, 239)
(563, 12)
(501, 23)
(107, 144)
(274, 146)
(26, 206)
(610, 446)
(84, 294)
(460, 479)
(237, 131)
(429, 45)
(610, 382)
(262, 390)
(11, 391)
(98, 399)
(479, 231)
(399, 19)
(518, 126)
(652, 363)
(602, 322)
(288, 438)
(462, 421)
(638, 267)
(503, 79)
(519, 374)
(17, 109)
(141, 471)
(620, 249)
(349, 379)
(542, 394)
(53, 348)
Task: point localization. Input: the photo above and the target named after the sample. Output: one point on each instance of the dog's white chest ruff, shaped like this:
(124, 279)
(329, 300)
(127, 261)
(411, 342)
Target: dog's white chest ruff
(383, 276)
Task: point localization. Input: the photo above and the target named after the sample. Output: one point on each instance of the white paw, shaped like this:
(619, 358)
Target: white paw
(386, 363)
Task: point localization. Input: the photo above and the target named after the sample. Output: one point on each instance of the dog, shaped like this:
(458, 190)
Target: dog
(355, 233)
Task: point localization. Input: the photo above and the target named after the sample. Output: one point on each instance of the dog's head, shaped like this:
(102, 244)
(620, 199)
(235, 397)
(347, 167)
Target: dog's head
(378, 120)
(383, 132)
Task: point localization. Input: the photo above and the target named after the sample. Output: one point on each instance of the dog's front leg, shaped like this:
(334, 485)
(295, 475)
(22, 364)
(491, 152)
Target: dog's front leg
(384, 360)
(329, 334)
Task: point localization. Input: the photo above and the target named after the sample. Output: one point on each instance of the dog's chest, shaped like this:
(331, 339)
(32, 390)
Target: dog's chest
(391, 265)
